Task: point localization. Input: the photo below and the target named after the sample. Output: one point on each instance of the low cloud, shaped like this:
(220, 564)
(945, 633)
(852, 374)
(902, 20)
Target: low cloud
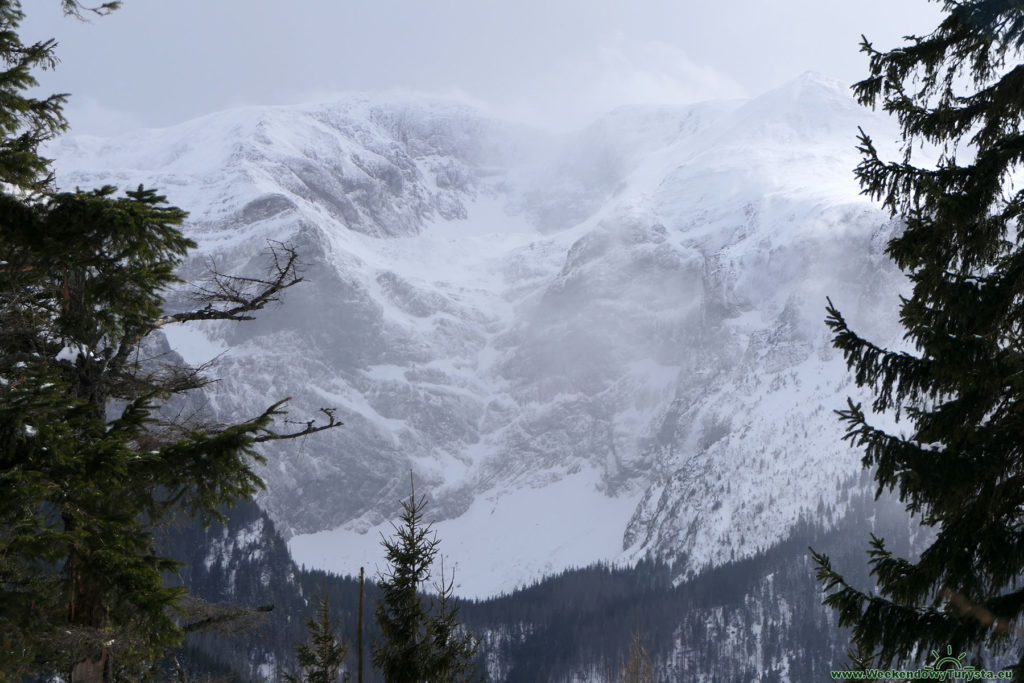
(87, 116)
(620, 71)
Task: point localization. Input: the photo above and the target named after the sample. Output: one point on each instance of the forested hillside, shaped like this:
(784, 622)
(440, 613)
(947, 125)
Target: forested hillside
(759, 618)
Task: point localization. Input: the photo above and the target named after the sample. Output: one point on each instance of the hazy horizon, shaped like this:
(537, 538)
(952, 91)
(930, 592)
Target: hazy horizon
(152, 64)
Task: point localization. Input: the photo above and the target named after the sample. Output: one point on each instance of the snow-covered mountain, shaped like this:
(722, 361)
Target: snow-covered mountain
(585, 347)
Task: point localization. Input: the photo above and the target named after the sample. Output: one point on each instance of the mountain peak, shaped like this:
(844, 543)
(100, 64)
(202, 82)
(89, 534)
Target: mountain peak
(818, 79)
(656, 352)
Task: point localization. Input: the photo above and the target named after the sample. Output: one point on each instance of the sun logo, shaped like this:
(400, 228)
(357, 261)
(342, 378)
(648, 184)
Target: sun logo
(949, 662)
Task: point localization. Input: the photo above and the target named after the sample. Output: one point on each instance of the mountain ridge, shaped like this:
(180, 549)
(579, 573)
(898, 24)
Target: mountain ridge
(580, 346)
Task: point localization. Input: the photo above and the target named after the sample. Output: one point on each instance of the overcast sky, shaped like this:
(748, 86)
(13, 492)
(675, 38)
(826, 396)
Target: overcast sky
(157, 62)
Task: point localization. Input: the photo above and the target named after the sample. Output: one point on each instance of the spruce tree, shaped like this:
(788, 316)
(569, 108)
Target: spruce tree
(323, 655)
(89, 467)
(419, 643)
(958, 464)
(453, 655)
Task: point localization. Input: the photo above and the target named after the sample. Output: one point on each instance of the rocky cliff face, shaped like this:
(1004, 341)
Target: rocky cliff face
(585, 347)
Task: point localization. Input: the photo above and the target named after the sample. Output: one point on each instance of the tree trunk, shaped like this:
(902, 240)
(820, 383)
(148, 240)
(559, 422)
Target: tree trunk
(86, 612)
(86, 608)
(359, 629)
(92, 669)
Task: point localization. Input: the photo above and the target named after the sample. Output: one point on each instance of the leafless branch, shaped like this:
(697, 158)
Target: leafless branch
(74, 8)
(208, 616)
(162, 381)
(232, 297)
(311, 427)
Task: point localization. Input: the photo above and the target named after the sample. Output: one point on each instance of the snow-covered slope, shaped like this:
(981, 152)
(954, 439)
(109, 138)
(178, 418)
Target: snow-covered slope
(585, 348)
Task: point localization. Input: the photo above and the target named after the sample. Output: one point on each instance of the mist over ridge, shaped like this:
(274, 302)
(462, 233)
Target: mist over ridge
(595, 345)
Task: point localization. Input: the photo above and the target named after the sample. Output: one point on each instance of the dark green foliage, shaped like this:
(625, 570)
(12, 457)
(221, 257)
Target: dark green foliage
(401, 614)
(323, 654)
(25, 122)
(959, 466)
(418, 643)
(453, 654)
(88, 466)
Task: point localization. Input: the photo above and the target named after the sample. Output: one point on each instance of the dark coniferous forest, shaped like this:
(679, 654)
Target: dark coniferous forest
(757, 619)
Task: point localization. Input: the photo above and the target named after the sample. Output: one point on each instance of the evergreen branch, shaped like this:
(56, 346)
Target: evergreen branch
(10, 360)
(880, 626)
(981, 614)
(961, 466)
(892, 375)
